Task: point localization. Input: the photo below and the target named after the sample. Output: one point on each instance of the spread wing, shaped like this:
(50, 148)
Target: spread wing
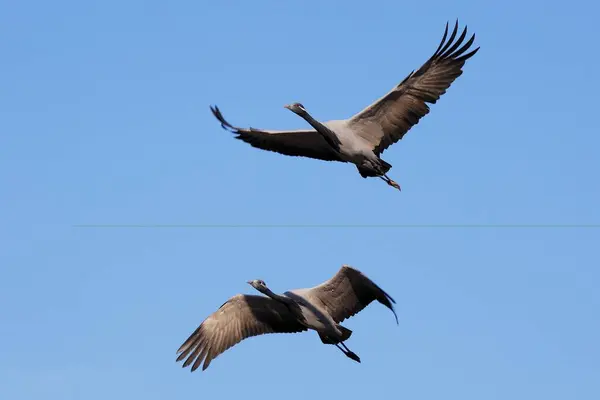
(348, 292)
(300, 143)
(242, 316)
(387, 120)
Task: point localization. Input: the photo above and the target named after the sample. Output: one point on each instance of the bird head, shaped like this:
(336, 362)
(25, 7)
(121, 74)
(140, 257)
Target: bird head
(296, 108)
(258, 284)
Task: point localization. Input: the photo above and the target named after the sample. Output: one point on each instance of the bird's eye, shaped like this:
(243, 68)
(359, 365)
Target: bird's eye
(299, 105)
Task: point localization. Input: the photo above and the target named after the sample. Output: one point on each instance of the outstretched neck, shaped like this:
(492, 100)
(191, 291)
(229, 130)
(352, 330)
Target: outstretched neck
(288, 302)
(327, 133)
(275, 296)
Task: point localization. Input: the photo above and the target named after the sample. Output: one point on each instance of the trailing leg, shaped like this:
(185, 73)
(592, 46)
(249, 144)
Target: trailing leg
(337, 341)
(377, 168)
(390, 181)
(348, 352)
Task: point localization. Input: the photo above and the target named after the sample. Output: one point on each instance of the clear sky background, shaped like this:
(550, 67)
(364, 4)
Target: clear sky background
(104, 119)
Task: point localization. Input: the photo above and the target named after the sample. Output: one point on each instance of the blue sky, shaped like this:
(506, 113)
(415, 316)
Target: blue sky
(104, 119)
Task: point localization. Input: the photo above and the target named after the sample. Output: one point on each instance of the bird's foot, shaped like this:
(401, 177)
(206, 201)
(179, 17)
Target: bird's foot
(353, 356)
(394, 184)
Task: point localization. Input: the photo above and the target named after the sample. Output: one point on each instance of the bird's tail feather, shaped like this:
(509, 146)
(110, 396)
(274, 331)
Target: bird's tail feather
(385, 166)
(346, 333)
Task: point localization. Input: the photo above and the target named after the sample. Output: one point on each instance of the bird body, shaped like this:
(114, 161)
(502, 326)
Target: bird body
(362, 138)
(321, 308)
(353, 149)
(314, 316)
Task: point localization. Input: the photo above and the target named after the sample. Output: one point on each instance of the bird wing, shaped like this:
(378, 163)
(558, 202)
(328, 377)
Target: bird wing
(348, 292)
(242, 316)
(388, 119)
(300, 143)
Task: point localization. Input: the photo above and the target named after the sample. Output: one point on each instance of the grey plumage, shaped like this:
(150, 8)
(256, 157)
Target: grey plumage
(320, 308)
(362, 138)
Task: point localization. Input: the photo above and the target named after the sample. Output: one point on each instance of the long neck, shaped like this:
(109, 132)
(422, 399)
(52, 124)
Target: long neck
(289, 303)
(327, 133)
(276, 296)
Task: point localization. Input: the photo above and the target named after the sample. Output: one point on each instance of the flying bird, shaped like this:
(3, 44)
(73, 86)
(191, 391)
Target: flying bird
(362, 138)
(321, 308)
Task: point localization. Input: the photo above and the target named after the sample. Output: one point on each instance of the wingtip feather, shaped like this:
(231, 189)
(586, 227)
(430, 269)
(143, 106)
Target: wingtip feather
(468, 55)
(442, 41)
(224, 124)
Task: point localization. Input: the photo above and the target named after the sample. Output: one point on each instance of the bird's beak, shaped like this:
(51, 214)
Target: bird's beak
(249, 282)
(287, 106)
